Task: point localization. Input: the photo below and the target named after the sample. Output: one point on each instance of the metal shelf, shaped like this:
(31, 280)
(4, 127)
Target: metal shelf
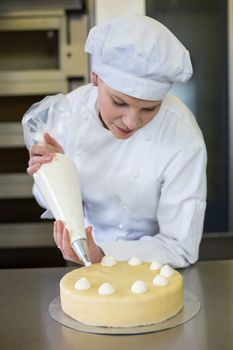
(11, 135)
(15, 185)
(42, 54)
(42, 4)
(23, 235)
(38, 84)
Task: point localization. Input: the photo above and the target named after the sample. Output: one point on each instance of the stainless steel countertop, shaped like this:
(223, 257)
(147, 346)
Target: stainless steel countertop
(25, 295)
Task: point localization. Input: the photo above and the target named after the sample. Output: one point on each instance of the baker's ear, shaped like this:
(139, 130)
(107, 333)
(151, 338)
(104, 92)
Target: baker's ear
(94, 79)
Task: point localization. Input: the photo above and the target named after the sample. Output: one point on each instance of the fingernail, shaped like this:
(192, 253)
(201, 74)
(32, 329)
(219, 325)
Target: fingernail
(48, 158)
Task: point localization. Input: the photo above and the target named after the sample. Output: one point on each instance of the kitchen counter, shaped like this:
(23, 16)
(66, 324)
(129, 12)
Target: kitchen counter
(25, 295)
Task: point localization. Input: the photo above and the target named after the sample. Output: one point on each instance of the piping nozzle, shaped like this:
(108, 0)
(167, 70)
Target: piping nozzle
(81, 250)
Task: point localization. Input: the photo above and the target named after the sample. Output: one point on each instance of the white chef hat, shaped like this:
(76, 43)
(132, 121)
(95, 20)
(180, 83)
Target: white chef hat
(138, 56)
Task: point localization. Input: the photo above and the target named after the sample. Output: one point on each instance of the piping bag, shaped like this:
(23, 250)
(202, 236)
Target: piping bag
(58, 180)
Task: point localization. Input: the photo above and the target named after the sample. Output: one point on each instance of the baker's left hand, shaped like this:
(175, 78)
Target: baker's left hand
(62, 239)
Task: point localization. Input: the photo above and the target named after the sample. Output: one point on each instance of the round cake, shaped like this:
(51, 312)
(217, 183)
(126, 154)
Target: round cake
(122, 294)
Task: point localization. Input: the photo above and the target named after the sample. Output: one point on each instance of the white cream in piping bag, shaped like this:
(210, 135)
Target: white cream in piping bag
(58, 182)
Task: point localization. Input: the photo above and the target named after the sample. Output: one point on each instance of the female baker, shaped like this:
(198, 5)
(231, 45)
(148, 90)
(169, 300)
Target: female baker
(139, 151)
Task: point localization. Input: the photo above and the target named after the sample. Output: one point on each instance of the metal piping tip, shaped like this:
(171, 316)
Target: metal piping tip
(80, 248)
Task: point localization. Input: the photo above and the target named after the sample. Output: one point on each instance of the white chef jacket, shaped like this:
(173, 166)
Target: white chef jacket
(144, 196)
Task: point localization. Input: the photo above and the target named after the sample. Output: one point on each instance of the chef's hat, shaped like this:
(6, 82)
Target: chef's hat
(138, 56)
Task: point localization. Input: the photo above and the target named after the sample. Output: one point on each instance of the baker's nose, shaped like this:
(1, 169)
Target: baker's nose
(131, 119)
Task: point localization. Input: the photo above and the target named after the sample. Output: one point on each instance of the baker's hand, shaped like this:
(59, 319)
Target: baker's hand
(62, 239)
(42, 153)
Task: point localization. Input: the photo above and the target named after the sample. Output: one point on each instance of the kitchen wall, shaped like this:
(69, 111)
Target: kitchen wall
(230, 84)
(42, 53)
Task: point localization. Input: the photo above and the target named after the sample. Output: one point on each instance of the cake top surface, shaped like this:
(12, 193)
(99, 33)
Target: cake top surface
(117, 279)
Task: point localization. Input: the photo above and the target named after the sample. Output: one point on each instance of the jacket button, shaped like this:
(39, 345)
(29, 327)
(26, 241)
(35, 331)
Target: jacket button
(136, 173)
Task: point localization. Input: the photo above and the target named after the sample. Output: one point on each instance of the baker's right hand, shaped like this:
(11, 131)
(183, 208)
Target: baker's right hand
(62, 239)
(42, 153)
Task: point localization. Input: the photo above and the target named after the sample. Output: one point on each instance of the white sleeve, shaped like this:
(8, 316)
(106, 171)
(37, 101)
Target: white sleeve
(180, 215)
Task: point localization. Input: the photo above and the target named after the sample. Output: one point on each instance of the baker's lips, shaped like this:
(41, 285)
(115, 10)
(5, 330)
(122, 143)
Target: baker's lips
(123, 131)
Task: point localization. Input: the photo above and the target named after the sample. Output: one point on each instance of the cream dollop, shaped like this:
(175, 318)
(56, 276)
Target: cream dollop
(138, 287)
(155, 265)
(82, 284)
(166, 271)
(160, 281)
(134, 261)
(106, 289)
(108, 260)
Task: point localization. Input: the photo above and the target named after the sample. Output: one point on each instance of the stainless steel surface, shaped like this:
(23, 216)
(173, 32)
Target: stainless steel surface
(80, 248)
(11, 135)
(27, 235)
(25, 323)
(191, 308)
(32, 71)
(17, 185)
(32, 83)
(42, 53)
(230, 96)
(32, 4)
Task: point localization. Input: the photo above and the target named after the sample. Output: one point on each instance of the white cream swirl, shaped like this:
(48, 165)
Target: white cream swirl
(166, 271)
(155, 265)
(82, 284)
(106, 289)
(138, 287)
(160, 281)
(134, 261)
(108, 260)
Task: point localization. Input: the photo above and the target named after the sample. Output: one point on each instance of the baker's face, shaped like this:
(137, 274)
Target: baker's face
(123, 115)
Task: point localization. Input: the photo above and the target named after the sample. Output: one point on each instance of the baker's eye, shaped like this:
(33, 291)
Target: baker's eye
(149, 109)
(117, 103)
(152, 109)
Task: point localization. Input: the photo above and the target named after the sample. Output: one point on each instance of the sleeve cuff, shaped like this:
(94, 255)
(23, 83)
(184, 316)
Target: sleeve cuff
(147, 250)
